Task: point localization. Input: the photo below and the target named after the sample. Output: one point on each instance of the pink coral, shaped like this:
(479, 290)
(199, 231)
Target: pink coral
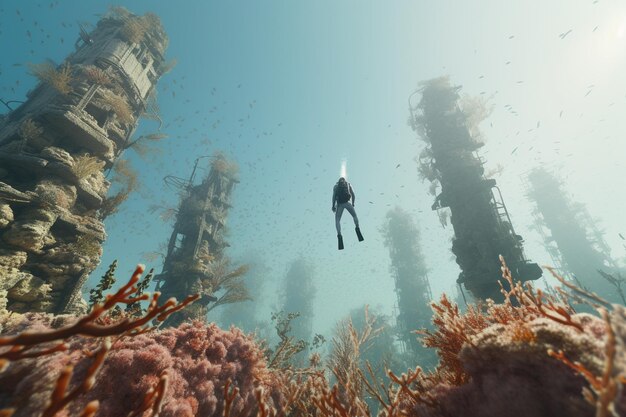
(199, 359)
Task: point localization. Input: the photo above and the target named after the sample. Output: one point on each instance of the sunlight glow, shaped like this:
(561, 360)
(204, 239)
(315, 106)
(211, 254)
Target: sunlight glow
(621, 29)
(344, 169)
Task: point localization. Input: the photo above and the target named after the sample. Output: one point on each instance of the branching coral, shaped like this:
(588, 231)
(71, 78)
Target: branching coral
(603, 389)
(59, 78)
(87, 165)
(497, 349)
(224, 166)
(281, 356)
(30, 132)
(126, 177)
(97, 75)
(31, 351)
(96, 295)
(119, 105)
(494, 362)
(60, 398)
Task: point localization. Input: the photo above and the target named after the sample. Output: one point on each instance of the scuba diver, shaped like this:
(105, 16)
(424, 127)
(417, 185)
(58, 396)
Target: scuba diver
(342, 194)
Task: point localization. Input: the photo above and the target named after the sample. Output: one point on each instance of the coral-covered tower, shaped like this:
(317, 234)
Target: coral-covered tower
(410, 275)
(481, 222)
(53, 151)
(195, 262)
(570, 236)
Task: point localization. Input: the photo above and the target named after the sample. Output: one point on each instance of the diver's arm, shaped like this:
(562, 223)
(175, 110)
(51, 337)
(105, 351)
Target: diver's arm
(352, 194)
(334, 197)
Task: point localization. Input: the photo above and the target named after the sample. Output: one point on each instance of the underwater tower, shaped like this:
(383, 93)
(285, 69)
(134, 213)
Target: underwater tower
(54, 149)
(410, 278)
(481, 222)
(576, 245)
(195, 262)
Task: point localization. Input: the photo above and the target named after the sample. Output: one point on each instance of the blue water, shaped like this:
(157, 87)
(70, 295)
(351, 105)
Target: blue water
(290, 89)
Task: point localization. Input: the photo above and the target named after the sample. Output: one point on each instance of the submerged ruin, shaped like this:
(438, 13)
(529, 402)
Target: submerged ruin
(412, 287)
(571, 237)
(482, 226)
(54, 151)
(195, 262)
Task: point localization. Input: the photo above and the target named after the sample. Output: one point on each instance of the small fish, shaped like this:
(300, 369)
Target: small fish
(594, 29)
(397, 166)
(621, 236)
(564, 34)
(514, 151)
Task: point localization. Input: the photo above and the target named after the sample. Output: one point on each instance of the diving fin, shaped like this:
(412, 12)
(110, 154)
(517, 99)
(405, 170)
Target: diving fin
(358, 234)
(340, 242)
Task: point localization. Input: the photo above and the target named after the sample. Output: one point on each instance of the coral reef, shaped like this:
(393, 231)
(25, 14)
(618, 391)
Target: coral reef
(529, 356)
(502, 358)
(198, 358)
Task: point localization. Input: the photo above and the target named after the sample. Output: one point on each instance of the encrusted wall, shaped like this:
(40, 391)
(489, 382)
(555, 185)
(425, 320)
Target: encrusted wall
(54, 151)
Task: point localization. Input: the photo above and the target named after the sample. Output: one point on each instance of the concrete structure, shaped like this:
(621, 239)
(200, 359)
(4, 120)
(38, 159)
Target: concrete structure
(482, 226)
(54, 149)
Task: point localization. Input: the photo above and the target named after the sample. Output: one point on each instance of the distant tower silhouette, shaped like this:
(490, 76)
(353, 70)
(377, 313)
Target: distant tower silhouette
(571, 237)
(53, 151)
(481, 222)
(411, 280)
(298, 297)
(195, 262)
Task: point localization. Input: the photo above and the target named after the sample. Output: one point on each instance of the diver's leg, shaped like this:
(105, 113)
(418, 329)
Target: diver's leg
(351, 210)
(338, 214)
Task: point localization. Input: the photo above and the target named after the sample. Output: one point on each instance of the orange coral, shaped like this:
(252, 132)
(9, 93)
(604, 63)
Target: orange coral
(453, 331)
